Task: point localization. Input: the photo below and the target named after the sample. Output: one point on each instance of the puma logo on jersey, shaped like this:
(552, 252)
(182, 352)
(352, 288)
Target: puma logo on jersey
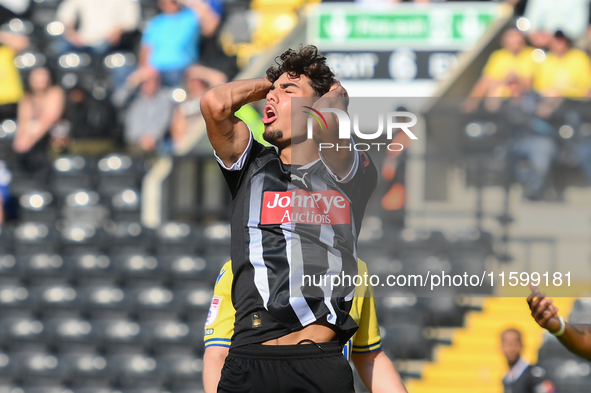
(301, 179)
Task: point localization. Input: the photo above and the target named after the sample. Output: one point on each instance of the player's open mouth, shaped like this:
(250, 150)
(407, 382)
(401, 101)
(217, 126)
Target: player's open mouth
(269, 114)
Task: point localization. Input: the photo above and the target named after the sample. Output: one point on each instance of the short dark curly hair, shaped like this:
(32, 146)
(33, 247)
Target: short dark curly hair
(307, 61)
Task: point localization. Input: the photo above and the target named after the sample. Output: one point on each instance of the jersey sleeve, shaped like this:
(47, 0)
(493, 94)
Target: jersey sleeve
(368, 338)
(219, 326)
(235, 174)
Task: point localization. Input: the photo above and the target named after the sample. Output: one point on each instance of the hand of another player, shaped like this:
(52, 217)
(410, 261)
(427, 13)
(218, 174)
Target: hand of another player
(542, 310)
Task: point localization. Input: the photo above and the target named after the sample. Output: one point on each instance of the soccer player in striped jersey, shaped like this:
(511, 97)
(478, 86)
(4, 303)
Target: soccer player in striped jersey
(364, 348)
(296, 212)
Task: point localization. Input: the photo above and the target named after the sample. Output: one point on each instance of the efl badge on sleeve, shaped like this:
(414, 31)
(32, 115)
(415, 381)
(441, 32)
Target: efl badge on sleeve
(214, 310)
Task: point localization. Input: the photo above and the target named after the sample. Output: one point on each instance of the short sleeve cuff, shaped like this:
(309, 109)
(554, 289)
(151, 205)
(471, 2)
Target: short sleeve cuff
(218, 342)
(367, 348)
(238, 165)
(352, 171)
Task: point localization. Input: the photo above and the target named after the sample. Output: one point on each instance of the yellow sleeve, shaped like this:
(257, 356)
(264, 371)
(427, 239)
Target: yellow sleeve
(219, 326)
(367, 338)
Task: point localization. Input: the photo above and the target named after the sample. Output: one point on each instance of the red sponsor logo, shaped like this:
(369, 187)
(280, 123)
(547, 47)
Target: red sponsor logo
(300, 206)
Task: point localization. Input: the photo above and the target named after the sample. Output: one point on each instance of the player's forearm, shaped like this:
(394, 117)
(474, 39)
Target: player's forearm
(220, 103)
(337, 152)
(213, 361)
(378, 373)
(577, 338)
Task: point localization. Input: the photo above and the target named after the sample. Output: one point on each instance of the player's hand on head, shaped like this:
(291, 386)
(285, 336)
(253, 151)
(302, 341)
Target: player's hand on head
(337, 90)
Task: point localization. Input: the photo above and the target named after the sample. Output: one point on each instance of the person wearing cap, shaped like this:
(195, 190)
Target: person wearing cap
(565, 72)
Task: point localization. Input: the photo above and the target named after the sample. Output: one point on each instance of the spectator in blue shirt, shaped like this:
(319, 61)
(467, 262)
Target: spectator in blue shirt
(171, 40)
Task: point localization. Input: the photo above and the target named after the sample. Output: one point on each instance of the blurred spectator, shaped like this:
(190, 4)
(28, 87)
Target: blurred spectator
(149, 113)
(548, 16)
(38, 113)
(171, 40)
(102, 24)
(11, 88)
(565, 72)
(514, 57)
(394, 175)
(12, 8)
(5, 178)
(522, 377)
(531, 135)
(187, 116)
(93, 124)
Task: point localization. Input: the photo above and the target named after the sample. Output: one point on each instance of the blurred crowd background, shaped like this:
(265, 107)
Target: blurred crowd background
(115, 217)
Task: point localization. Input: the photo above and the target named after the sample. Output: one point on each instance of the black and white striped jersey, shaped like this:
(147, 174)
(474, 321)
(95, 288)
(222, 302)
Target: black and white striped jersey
(292, 226)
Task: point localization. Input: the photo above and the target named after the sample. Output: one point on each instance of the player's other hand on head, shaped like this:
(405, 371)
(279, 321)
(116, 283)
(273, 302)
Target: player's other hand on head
(544, 312)
(337, 90)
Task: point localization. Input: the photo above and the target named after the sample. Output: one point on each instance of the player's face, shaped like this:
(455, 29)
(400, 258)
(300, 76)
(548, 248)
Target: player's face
(277, 111)
(511, 346)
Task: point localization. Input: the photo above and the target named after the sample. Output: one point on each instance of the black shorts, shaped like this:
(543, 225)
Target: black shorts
(313, 368)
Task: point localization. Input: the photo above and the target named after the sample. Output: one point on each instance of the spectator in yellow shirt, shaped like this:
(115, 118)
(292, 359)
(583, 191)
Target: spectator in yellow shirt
(565, 72)
(11, 87)
(515, 57)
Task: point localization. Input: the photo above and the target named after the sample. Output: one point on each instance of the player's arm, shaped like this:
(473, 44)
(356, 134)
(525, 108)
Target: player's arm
(377, 372)
(229, 135)
(219, 329)
(576, 338)
(339, 160)
(213, 361)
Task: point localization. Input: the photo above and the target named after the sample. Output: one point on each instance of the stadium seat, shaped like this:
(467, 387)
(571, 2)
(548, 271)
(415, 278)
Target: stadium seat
(133, 262)
(37, 206)
(182, 366)
(129, 234)
(71, 173)
(83, 365)
(54, 293)
(69, 329)
(88, 262)
(42, 264)
(158, 329)
(19, 327)
(81, 234)
(103, 294)
(187, 267)
(195, 298)
(177, 238)
(33, 236)
(125, 205)
(36, 362)
(116, 329)
(133, 368)
(118, 172)
(84, 206)
(406, 341)
(150, 296)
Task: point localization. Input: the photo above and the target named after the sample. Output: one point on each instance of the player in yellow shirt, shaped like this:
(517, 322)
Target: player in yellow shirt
(565, 72)
(514, 58)
(364, 348)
